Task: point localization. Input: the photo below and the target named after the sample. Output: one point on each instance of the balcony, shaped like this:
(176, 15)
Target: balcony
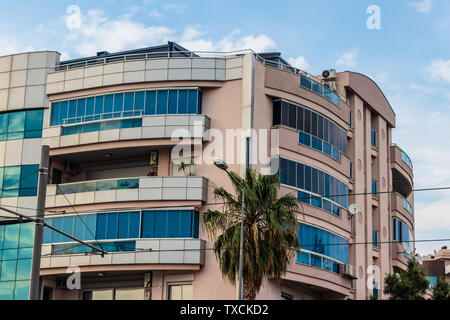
(190, 188)
(135, 128)
(402, 170)
(142, 251)
(402, 207)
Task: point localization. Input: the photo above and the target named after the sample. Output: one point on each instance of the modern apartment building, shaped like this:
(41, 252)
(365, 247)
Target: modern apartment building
(115, 180)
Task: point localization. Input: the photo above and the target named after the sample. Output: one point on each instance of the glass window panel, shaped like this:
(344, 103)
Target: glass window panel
(26, 238)
(173, 99)
(195, 224)
(130, 294)
(129, 101)
(161, 102)
(307, 178)
(118, 104)
(182, 101)
(7, 290)
(23, 269)
(161, 224)
(316, 143)
(89, 226)
(300, 175)
(186, 223)
(16, 125)
(108, 106)
(150, 102)
(72, 110)
(21, 290)
(148, 224)
(111, 226)
(299, 118)
(320, 120)
(304, 139)
(63, 106)
(284, 113)
(292, 175)
(91, 127)
(33, 123)
(327, 149)
(321, 183)
(8, 270)
(4, 117)
(81, 109)
(90, 102)
(67, 227)
(186, 293)
(98, 105)
(101, 226)
(55, 114)
(173, 223)
(102, 294)
(307, 122)
(292, 116)
(11, 177)
(174, 292)
(314, 123)
(124, 218)
(314, 180)
(139, 102)
(111, 125)
(192, 101)
(133, 229)
(283, 170)
(29, 180)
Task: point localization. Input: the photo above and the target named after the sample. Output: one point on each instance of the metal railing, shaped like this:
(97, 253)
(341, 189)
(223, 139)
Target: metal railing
(193, 54)
(98, 185)
(103, 116)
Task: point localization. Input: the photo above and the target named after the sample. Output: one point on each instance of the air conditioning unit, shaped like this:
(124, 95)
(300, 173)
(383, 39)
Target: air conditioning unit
(329, 74)
(349, 271)
(71, 168)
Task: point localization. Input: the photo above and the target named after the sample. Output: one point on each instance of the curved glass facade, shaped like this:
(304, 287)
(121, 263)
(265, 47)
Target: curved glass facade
(321, 248)
(16, 252)
(126, 104)
(402, 233)
(102, 126)
(318, 88)
(315, 130)
(125, 225)
(314, 185)
(21, 124)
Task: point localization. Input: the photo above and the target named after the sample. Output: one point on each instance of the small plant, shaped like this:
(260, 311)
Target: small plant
(186, 167)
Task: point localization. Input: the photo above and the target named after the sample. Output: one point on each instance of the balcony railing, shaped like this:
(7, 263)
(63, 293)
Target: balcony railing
(321, 89)
(99, 185)
(407, 206)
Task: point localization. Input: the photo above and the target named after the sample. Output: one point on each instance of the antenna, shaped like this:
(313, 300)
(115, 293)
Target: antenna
(353, 209)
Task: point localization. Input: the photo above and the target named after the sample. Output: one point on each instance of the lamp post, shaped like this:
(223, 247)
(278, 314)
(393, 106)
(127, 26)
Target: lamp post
(221, 164)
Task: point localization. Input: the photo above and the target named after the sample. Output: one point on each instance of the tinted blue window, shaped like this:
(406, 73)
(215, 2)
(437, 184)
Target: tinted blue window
(63, 106)
(101, 226)
(316, 144)
(118, 104)
(90, 107)
(192, 104)
(29, 180)
(33, 123)
(139, 101)
(314, 180)
(11, 184)
(292, 175)
(55, 113)
(304, 139)
(129, 102)
(182, 101)
(72, 111)
(195, 224)
(300, 175)
(111, 226)
(161, 102)
(307, 177)
(283, 170)
(186, 224)
(67, 227)
(81, 109)
(133, 231)
(148, 224)
(108, 106)
(16, 125)
(160, 224)
(173, 99)
(173, 223)
(98, 106)
(150, 102)
(123, 225)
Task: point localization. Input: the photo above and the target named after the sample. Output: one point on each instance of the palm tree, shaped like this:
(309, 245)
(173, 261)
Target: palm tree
(270, 230)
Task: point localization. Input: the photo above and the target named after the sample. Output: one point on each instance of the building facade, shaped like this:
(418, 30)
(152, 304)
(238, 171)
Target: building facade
(116, 180)
(438, 266)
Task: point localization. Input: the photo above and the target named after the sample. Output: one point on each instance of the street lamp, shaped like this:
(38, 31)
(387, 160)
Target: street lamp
(221, 164)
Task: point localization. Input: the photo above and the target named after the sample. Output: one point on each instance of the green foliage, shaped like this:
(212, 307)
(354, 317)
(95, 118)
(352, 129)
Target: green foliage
(270, 225)
(441, 290)
(411, 284)
(186, 167)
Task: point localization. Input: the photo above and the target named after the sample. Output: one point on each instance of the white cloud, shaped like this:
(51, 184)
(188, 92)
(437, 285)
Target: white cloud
(94, 32)
(174, 7)
(423, 6)
(299, 62)
(348, 59)
(434, 215)
(440, 70)
(10, 46)
(156, 14)
(422, 88)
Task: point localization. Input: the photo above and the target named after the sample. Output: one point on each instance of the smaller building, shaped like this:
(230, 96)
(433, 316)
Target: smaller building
(438, 266)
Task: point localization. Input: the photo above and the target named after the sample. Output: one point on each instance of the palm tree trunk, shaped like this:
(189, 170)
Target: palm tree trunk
(249, 290)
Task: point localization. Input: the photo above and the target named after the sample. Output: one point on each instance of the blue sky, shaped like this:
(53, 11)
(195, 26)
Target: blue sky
(409, 57)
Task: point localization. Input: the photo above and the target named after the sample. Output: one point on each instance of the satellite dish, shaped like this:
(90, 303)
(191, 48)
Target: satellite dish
(419, 258)
(353, 209)
(406, 248)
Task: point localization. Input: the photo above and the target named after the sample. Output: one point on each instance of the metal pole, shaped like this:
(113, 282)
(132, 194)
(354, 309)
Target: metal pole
(241, 251)
(35, 286)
